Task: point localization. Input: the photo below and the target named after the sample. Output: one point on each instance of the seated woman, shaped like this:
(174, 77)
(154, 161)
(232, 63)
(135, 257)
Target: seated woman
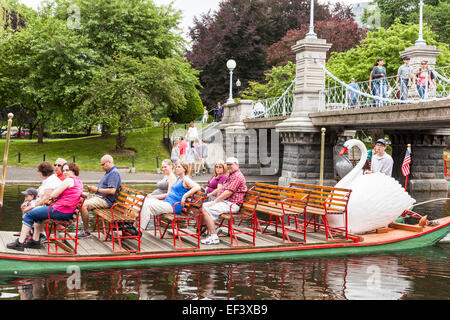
(68, 193)
(215, 183)
(183, 188)
(162, 187)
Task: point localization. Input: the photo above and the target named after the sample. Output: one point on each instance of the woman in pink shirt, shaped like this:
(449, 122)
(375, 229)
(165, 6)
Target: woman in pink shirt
(216, 181)
(67, 195)
(423, 76)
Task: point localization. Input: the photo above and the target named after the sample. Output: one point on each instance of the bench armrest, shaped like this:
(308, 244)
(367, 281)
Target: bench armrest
(82, 198)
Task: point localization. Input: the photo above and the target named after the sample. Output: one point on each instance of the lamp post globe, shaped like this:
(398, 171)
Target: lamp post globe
(231, 65)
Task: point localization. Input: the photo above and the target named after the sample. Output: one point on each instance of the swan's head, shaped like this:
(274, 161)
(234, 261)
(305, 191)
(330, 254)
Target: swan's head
(350, 144)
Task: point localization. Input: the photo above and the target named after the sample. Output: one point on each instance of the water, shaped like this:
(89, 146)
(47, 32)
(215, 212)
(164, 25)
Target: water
(410, 275)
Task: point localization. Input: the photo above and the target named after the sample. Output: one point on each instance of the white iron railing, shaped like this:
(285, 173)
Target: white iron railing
(274, 107)
(340, 96)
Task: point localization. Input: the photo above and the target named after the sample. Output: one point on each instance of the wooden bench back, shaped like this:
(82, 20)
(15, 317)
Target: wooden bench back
(250, 202)
(129, 202)
(194, 204)
(273, 195)
(323, 196)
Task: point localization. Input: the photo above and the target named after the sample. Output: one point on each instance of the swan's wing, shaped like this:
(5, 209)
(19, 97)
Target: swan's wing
(376, 201)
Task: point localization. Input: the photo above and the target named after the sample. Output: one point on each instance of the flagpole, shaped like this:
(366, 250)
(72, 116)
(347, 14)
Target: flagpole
(406, 178)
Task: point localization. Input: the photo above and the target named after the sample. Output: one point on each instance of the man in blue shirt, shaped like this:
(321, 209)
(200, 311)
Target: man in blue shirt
(105, 193)
(353, 96)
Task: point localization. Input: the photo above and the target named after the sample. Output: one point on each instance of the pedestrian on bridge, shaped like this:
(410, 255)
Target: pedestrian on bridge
(379, 79)
(404, 74)
(352, 95)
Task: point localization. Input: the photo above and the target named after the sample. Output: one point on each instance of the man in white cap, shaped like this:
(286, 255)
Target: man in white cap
(381, 161)
(231, 195)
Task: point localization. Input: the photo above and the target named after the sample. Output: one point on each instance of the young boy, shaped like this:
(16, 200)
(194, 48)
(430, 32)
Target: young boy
(30, 200)
(28, 204)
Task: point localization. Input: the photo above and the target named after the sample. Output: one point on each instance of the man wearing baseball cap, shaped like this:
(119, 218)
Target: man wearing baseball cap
(381, 161)
(404, 73)
(231, 195)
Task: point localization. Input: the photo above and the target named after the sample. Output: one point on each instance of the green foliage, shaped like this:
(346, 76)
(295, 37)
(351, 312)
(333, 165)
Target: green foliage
(436, 13)
(136, 28)
(129, 89)
(192, 111)
(277, 81)
(386, 44)
(44, 68)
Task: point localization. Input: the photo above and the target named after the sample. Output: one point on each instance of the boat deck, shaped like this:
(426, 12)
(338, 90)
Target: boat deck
(150, 243)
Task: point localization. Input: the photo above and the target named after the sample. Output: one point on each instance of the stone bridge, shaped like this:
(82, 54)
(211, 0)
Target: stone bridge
(420, 116)
(290, 145)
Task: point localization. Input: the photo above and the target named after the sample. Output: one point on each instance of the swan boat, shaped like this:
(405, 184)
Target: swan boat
(94, 253)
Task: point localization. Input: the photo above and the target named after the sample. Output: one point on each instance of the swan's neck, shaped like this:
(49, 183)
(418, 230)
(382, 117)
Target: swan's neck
(357, 170)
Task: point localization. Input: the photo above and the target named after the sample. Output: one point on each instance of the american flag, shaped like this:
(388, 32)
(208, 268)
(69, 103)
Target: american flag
(406, 162)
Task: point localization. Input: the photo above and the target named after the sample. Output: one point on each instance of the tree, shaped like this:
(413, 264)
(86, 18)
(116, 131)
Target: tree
(243, 30)
(128, 89)
(277, 81)
(45, 68)
(233, 32)
(137, 28)
(436, 13)
(343, 34)
(386, 44)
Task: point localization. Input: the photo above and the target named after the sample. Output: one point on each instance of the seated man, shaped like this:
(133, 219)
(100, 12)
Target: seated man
(231, 194)
(381, 161)
(105, 193)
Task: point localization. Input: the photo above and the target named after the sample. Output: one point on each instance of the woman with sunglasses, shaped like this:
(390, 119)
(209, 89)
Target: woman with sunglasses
(174, 201)
(58, 168)
(216, 181)
(423, 79)
(66, 198)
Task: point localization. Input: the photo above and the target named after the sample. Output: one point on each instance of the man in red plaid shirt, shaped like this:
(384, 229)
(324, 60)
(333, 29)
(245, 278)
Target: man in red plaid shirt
(231, 195)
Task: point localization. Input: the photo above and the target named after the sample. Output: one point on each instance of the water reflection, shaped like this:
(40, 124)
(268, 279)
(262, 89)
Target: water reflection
(409, 275)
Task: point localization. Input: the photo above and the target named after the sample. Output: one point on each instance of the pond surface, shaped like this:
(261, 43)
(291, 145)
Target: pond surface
(410, 274)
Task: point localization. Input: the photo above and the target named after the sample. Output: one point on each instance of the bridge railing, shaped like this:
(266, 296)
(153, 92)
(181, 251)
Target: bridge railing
(274, 107)
(338, 95)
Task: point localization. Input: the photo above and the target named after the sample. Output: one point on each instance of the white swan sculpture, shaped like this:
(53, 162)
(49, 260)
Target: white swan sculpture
(376, 199)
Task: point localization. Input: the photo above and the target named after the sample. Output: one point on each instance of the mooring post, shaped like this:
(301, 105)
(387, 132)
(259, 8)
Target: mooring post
(5, 158)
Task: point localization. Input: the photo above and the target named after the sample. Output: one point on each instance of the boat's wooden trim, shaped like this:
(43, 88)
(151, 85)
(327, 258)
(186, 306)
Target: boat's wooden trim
(408, 227)
(374, 239)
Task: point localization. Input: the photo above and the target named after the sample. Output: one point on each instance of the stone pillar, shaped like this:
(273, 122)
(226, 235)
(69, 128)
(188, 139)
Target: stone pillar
(301, 140)
(418, 53)
(258, 150)
(427, 159)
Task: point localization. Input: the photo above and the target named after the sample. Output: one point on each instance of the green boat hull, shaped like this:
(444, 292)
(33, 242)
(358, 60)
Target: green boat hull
(18, 267)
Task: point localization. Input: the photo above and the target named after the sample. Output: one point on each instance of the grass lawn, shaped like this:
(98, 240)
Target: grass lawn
(146, 143)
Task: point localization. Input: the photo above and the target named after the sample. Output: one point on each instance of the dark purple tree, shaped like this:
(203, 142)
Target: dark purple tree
(243, 30)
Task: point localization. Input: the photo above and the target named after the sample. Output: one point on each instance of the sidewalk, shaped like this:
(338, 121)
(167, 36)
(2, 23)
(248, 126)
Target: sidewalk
(25, 176)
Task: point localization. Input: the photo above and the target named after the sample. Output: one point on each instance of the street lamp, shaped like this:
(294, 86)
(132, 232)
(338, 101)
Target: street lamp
(311, 33)
(421, 41)
(238, 83)
(231, 65)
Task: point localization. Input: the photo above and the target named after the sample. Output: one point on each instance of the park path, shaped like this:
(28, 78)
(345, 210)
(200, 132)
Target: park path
(24, 176)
